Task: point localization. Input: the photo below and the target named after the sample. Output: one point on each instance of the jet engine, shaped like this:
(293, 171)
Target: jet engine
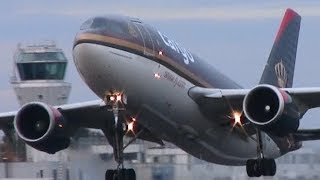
(42, 127)
(271, 109)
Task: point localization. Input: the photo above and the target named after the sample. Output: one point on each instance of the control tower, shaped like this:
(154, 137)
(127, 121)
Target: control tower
(38, 74)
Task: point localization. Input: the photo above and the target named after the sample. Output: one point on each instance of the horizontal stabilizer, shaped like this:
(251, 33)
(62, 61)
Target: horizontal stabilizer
(307, 135)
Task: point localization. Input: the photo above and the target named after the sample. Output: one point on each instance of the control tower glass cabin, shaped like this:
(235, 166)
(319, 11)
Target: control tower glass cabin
(46, 65)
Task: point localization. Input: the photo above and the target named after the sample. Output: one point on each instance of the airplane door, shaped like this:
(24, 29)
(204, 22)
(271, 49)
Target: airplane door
(147, 39)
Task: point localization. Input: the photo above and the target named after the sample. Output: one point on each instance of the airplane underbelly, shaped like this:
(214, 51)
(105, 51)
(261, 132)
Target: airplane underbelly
(161, 98)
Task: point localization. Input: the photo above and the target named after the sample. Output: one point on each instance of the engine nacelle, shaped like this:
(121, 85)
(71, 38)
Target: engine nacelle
(271, 109)
(42, 127)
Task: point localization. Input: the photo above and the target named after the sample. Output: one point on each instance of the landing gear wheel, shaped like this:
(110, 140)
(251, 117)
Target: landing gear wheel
(268, 167)
(250, 170)
(120, 174)
(131, 173)
(257, 168)
(110, 174)
(253, 168)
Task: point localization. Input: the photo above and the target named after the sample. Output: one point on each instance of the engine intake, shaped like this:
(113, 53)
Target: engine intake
(271, 109)
(42, 127)
(263, 104)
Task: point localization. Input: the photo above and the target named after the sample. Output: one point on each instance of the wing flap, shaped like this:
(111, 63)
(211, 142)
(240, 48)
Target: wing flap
(308, 98)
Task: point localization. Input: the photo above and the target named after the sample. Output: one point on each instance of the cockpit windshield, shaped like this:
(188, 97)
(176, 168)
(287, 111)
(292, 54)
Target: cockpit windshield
(43, 56)
(86, 24)
(99, 22)
(104, 24)
(94, 23)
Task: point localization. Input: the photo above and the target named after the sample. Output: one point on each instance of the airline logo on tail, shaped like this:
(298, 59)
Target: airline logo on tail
(281, 74)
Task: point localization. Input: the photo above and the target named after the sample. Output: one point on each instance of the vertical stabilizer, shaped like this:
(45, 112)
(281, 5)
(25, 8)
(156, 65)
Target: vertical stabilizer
(279, 69)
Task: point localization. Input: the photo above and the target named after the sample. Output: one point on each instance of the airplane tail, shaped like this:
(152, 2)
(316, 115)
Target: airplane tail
(279, 69)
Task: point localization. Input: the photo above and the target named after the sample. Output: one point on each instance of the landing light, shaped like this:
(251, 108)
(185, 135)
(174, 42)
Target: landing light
(119, 98)
(160, 53)
(131, 126)
(112, 98)
(157, 75)
(115, 98)
(237, 119)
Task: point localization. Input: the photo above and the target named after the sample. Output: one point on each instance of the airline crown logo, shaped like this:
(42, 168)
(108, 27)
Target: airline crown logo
(281, 74)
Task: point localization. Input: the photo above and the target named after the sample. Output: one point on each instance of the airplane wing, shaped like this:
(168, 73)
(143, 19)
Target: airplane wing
(6, 119)
(90, 114)
(296, 102)
(309, 97)
(78, 114)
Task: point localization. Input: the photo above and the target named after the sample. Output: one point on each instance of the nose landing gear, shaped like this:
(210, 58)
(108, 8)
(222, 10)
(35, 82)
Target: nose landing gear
(117, 101)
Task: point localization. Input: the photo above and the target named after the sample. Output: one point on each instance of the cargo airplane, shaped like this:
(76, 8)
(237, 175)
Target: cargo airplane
(152, 88)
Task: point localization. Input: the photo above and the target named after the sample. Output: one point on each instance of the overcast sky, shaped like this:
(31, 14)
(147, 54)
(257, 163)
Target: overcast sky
(235, 37)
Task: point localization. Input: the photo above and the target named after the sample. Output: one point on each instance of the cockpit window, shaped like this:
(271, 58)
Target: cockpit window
(99, 22)
(86, 24)
(102, 23)
(116, 27)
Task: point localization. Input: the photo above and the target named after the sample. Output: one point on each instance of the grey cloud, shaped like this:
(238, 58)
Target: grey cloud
(8, 100)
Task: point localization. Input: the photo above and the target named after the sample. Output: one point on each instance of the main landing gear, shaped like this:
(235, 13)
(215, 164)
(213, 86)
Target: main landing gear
(116, 102)
(261, 166)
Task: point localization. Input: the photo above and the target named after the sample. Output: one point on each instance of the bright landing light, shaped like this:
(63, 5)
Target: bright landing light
(237, 118)
(131, 126)
(157, 75)
(119, 98)
(112, 98)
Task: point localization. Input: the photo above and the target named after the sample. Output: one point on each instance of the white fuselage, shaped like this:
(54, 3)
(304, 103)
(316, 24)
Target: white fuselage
(175, 117)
